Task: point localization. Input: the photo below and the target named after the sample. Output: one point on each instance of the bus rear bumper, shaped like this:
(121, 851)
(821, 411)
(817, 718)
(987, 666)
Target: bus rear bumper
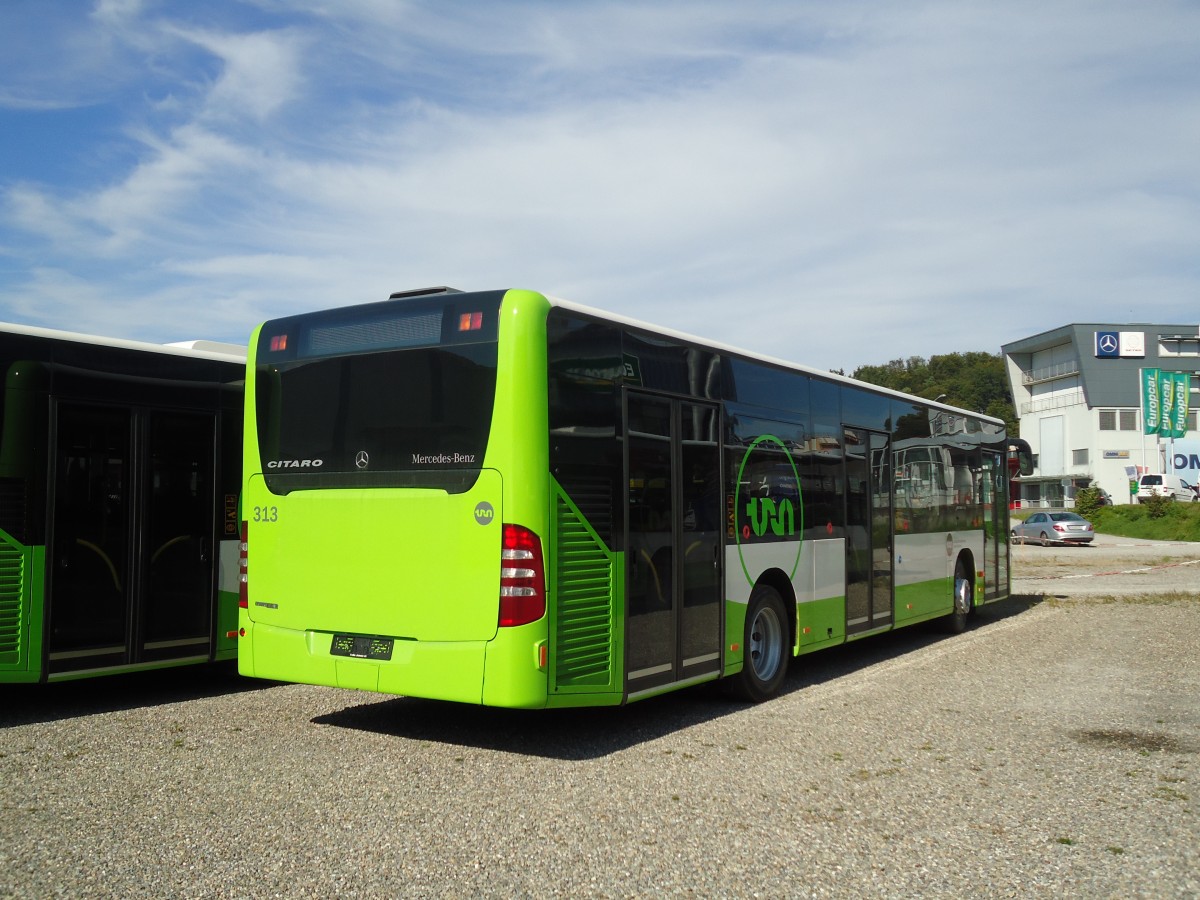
(430, 669)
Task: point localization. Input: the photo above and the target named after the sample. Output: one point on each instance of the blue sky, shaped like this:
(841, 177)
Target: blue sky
(835, 183)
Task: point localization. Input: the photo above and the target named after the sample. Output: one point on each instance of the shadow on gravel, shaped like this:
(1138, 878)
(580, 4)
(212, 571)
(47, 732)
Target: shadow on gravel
(24, 704)
(581, 734)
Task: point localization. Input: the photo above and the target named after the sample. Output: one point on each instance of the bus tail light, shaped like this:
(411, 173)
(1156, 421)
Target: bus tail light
(522, 577)
(472, 321)
(243, 578)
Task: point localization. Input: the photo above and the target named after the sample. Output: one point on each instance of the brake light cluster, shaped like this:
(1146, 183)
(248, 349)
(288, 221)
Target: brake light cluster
(472, 321)
(243, 578)
(522, 577)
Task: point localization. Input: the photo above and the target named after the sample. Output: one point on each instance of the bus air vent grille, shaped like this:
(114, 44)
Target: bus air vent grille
(583, 596)
(12, 573)
(592, 496)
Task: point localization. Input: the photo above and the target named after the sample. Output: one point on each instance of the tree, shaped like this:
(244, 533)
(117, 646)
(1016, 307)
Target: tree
(973, 380)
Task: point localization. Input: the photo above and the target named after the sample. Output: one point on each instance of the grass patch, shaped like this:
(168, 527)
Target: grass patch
(1165, 599)
(1177, 521)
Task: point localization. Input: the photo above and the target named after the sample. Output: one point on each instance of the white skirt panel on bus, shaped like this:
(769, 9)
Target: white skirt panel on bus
(816, 569)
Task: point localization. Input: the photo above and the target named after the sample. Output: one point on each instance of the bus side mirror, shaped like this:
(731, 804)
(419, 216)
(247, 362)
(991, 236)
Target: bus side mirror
(1018, 450)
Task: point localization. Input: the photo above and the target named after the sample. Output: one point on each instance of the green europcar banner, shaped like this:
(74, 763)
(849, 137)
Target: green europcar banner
(1179, 409)
(1150, 401)
(1166, 402)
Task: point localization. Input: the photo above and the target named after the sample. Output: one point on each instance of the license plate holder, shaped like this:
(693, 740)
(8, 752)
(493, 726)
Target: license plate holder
(362, 646)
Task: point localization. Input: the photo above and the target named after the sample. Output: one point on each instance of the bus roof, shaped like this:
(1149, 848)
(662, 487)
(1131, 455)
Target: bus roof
(775, 361)
(195, 349)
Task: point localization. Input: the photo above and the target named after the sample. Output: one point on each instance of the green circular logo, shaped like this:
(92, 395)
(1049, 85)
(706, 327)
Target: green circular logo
(768, 503)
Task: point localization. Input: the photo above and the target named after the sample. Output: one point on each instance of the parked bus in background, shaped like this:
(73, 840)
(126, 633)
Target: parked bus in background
(506, 499)
(119, 486)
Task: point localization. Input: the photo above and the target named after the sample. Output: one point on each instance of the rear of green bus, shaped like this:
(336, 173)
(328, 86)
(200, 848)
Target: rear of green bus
(396, 498)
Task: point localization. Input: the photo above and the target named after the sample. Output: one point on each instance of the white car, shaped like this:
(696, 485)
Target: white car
(1161, 486)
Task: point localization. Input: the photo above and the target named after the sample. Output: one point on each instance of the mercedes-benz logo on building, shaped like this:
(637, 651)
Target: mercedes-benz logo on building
(362, 460)
(1108, 343)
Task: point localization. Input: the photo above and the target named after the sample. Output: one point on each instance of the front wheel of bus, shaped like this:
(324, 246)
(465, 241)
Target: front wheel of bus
(765, 646)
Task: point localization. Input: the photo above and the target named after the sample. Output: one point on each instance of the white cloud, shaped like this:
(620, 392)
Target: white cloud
(260, 71)
(838, 184)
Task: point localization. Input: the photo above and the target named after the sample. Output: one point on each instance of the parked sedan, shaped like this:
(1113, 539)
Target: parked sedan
(1053, 528)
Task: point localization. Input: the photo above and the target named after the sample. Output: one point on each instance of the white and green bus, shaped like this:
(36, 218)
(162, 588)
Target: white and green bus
(119, 483)
(506, 499)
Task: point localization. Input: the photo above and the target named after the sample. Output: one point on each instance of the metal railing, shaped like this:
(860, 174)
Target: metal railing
(1055, 401)
(1049, 373)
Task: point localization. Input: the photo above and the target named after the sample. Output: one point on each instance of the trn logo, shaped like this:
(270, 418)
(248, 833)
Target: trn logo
(484, 512)
(763, 513)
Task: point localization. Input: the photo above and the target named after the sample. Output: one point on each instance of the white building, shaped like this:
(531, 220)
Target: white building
(1077, 392)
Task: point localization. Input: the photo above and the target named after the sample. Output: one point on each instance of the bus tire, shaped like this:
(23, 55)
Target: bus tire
(765, 645)
(956, 622)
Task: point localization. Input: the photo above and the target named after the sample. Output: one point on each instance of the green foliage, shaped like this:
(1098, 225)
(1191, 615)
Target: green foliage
(976, 381)
(1158, 507)
(1087, 502)
(1178, 522)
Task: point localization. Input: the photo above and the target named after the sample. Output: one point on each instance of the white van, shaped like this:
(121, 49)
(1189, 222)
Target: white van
(1161, 486)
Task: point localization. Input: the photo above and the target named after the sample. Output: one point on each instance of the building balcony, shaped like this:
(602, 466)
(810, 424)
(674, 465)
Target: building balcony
(1050, 373)
(1054, 401)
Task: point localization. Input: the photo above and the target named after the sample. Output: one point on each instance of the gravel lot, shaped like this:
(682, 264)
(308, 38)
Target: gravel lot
(1053, 749)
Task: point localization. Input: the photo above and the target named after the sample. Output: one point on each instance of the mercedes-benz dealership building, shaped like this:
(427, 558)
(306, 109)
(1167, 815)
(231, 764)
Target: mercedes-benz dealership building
(1078, 394)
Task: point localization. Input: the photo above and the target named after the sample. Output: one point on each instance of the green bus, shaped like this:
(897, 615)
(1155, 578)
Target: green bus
(119, 481)
(506, 499)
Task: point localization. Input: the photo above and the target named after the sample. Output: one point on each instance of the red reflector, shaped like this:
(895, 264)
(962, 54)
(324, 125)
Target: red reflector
(243, 578)
(472, 321)
(279, 342)
(522, 577)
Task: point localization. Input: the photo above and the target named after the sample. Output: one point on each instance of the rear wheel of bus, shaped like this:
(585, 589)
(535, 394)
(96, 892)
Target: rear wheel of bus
(765, 645)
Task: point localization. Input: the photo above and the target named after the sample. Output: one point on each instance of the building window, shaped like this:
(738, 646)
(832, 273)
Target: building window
(1179, 345)
(1118, 420)
(1079, 457)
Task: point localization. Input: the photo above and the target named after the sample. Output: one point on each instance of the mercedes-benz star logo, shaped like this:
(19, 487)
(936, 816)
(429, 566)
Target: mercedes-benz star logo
(1108, 343)
(362, 460)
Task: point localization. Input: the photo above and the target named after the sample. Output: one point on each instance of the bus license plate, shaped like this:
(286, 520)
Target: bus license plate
(361, 646)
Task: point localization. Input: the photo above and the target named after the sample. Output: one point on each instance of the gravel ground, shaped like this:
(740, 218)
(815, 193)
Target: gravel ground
(1053, 749)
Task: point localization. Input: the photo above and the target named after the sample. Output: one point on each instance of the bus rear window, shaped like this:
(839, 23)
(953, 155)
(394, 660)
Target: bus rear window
(409, 417)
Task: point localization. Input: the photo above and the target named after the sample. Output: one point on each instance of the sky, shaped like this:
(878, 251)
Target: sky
(837, 184)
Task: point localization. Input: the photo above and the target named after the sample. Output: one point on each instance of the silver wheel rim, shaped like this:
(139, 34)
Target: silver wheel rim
(766, 644)
(962, 594)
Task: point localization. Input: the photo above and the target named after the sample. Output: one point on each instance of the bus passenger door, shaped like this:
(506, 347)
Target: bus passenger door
(131, 574)
(995, 526)
(869, 537)
(179, 532)
(673, 547)
(90, 539)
